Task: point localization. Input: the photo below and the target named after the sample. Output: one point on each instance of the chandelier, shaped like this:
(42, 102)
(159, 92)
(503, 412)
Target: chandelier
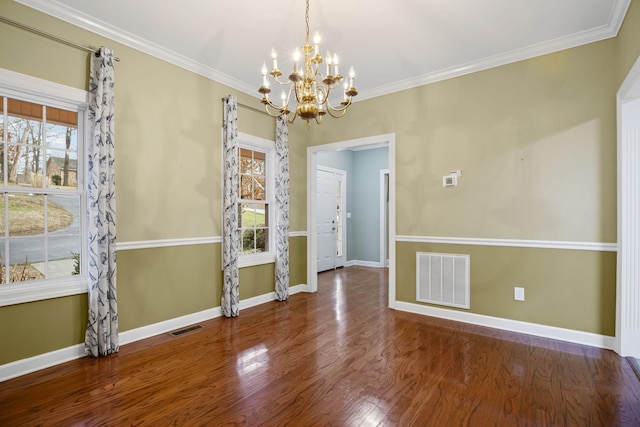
(310, 87)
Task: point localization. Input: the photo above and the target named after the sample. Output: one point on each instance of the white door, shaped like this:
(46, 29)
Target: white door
(330, 218)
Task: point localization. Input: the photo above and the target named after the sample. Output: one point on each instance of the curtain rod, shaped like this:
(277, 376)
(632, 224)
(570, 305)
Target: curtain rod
(50, 36)
(249, 107)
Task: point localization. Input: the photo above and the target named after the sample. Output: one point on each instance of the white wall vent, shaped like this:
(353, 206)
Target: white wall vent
(443, 279)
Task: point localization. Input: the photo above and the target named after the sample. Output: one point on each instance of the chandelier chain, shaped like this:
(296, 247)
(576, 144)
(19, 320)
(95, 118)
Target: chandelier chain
(306, 15)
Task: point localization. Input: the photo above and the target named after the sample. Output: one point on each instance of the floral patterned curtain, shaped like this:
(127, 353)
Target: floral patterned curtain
(282, 209)
(101, 336)
(230, 304)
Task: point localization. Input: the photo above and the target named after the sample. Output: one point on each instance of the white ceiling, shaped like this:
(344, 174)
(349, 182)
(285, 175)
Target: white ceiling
(393, 45)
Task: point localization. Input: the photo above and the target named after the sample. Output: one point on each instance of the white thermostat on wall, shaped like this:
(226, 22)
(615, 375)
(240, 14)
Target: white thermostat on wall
(449, 181)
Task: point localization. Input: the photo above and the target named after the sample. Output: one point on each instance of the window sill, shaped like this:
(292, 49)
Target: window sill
(256, 259)
(18, 293)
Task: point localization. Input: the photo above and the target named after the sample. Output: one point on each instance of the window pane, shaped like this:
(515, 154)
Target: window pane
(63, 215)
(64, 256)
(248, 241)
(24, 109)
(26, 258)
(63, 118)
(62, 169)
(25, 151)
(29, 167)
(258, 188)
(258, 163)
(248, 215)
(262, 238)
(246, 188)
(246, 161)
(26, 214)
(262, 215)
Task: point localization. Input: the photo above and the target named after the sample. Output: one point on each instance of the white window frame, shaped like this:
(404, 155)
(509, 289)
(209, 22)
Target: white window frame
(268, 147)
(31, 89)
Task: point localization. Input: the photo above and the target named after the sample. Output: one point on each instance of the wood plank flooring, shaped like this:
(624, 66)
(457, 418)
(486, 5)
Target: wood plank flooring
(335, 358)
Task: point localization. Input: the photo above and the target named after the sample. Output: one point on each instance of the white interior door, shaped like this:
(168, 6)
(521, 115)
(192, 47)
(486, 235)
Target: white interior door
(330, 218)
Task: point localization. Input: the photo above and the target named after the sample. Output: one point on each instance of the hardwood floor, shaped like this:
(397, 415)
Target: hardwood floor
(335, 358)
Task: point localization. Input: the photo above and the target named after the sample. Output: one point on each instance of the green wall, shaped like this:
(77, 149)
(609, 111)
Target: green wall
(40, 327)
(564, 288)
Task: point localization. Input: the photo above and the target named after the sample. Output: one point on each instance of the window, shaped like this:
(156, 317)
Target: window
(255, 199)
(42, 195)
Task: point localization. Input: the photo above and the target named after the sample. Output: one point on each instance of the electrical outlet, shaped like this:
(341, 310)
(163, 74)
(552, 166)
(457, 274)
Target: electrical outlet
(518, 294)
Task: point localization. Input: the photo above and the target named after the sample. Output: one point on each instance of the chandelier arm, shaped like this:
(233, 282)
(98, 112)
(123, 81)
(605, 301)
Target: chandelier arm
(325, 94)
(280, 82)
(337, 113)
(295, 114)
(343, 107)
(268, 107)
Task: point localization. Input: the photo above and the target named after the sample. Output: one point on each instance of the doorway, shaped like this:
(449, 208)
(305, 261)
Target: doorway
(386, 140)
(330, 219)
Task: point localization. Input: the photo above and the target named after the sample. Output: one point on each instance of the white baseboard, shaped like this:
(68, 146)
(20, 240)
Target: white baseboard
(165, 326)
(41, 361)
(46, 360)
(261, 299)
(362, 263)
(569, 335)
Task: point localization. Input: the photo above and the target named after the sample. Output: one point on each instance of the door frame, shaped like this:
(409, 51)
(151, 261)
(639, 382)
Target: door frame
(312, 164)
(343, 190)
(384, 239)
(627, 339)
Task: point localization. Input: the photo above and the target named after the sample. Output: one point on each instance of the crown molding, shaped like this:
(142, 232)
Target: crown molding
(89, 23)
(604, 32)
(72, 16)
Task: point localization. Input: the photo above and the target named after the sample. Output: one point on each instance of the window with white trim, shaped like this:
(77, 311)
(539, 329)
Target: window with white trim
(42, 192)
(255, 200)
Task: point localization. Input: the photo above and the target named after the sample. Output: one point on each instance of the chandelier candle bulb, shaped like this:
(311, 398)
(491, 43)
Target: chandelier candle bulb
(328, 63)
(274, 56)
(335, 65)
(352, 76)
(316, 41)
(265, 82)
(296, 58)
